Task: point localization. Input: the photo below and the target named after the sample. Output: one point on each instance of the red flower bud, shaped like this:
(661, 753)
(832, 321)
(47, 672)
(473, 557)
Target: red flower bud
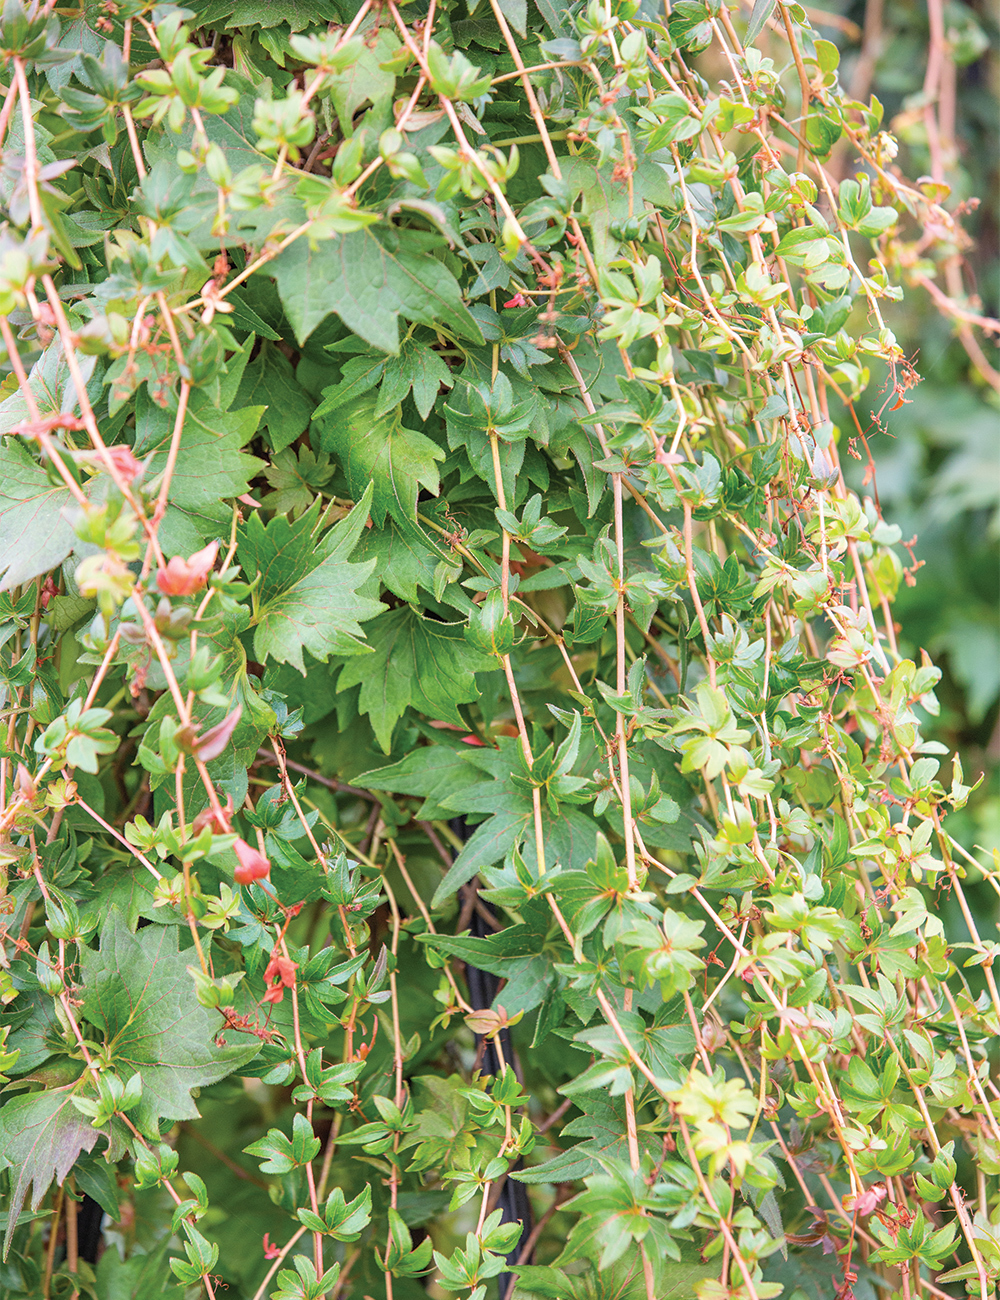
(124, 461)
(253, 865)
(185, 577)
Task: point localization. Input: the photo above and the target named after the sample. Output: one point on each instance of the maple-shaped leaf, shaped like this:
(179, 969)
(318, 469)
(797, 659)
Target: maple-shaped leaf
(432, 773)
(405, 558)
(296, 479)
(378, 450)
(442, 777)
(307, 596)
(417, 662)
(242, 14)
(210, 463)
(138, 992)
(41, 1135)
(517, 954)
(602, 1127)
(441, 1133)
(269, 380)
(417, 367)
(370, 278)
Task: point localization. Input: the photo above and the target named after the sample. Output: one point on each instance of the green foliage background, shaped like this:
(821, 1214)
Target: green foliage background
(489, 468)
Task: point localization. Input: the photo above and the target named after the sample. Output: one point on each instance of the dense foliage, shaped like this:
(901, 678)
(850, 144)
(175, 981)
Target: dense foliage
(470, 823)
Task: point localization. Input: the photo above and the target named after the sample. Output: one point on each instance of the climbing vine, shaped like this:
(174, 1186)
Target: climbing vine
(467, 823)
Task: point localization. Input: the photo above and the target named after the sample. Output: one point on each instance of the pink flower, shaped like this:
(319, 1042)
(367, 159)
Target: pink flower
(279, 975)
(185, 577)
(253, 865)
(518, 300)
(124, 462)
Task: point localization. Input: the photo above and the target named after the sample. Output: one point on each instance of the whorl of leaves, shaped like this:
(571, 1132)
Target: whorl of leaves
(425, 556)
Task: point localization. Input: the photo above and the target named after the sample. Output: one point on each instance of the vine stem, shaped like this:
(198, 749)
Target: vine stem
(30, 147)
(625, 791)
(301, 1058)
(279, 1259)
(81, 803)
(286, 784)
(407, 881)
(515, 699)
(87, 412)
(724, 1225)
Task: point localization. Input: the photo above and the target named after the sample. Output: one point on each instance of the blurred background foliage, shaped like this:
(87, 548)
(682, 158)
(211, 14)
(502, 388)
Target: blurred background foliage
(937, 457)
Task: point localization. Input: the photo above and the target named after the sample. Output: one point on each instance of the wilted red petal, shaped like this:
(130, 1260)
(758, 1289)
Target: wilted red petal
(253, 864)
(125, 462)
(215, 740)
(208, 817)
(46, 423)
(23, 783)
(184, 577)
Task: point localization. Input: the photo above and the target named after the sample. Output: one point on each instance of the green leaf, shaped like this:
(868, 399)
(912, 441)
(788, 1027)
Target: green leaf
(377, 450)
(41, 1135)
(417, 662)
(137, 991)
(370, 279)
(602, 1128)
(404, 557)
(51, 384)
(365, 80)
(761, 12)
(296, 476)
(35, 533)
(211, 464)
(308, 592)
(516, 13)
(269, 381)
(417, 367)
(135, 1278)
(822, 131)
(433, 774)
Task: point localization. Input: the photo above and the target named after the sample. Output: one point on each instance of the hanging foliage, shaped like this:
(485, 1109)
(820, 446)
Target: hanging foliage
(467, 826)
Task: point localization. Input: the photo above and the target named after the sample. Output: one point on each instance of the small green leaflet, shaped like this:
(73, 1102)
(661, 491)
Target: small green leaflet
(369, 280)
(308, 591)
(378, 452)
(417, 662)
(761, 12)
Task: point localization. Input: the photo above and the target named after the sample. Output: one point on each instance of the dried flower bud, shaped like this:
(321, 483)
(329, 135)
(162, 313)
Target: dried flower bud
(185, 577)
(253, 865)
